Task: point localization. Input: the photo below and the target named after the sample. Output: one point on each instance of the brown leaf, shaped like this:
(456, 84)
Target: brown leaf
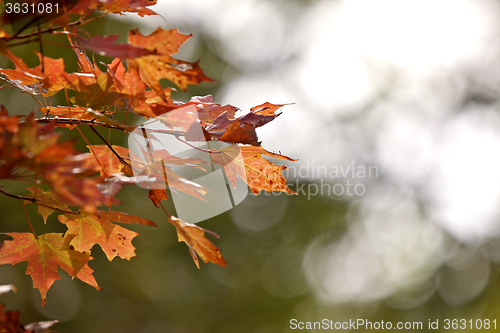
(156, 196)
(9, 321)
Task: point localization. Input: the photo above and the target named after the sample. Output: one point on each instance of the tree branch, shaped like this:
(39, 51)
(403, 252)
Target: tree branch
(35, 201)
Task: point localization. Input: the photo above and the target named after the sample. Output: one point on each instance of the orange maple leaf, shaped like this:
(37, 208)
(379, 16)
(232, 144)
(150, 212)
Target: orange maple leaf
(90, 229)
(259, 173)
(102, 158)
(45, 254)
(152, 68)
(156, 196)
(47, 82)
(195, 239)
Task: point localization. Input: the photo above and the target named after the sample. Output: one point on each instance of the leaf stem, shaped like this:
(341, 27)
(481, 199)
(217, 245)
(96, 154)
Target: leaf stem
(29, 221)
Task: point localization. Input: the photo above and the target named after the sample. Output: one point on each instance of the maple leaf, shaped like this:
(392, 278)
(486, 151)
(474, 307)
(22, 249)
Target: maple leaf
(145, 103)
(219, 122)
(45, 254)
(156, 196)
(208, 110)
(68, 179)
(102, 158)
(259, 173)
(48, 82)
(70, 112)
(198, 244)
(152, 68)
(94, 92)
(84, 62)
(36, 148)
(165, 176)
(9, 321)
(105, 46)
(155, 167)
(92, 229)
(114, 183)
(116, 7)
(133, 6)
(47, 202)
(266, 109)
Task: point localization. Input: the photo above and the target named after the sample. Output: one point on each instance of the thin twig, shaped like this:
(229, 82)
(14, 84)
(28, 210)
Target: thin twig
(210, 151)
(35, 201)
(42, 61)
(29, 221)
(72, 121)
(121, 159)
(80, 21)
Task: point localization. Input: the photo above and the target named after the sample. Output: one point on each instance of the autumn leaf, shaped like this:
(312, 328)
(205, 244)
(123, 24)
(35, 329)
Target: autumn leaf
(132, 6)
(70, 112)
(83, 60)
(47, 201)
(36, 149)
(239, 132)
(94, 92)
(111, 185)
(105, 46)
(155, 165)
(165, 176)
(9, 321)
(208, 110)
(102, 158)
(198, 244)
(220, 123)
(266, 109)
(116, 7)
(152, 68)
(156, 196)
(45, 254)
(48, 82)
(91, 229)
(251, 166)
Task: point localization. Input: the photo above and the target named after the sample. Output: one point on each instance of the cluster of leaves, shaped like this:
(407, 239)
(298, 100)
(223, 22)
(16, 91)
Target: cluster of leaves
(81, 185)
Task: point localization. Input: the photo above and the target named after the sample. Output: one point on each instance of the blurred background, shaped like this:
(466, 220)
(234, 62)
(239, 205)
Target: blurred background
(396, 126)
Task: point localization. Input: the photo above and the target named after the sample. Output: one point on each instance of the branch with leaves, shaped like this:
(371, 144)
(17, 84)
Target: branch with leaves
(80, 185)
